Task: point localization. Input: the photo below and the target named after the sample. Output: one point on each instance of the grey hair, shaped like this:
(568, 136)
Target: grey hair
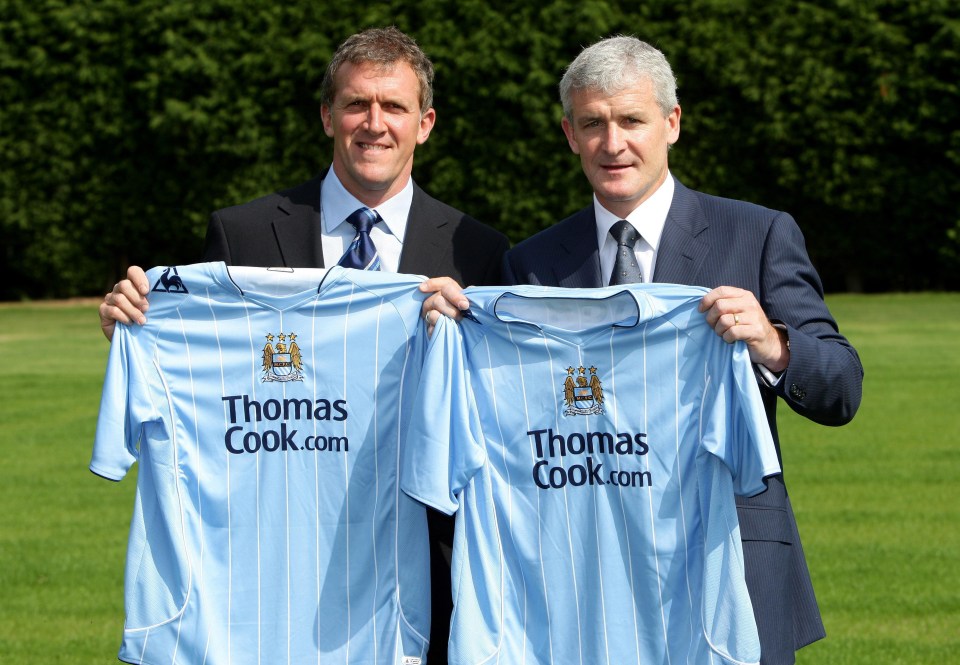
(614, 64)
(384, 47)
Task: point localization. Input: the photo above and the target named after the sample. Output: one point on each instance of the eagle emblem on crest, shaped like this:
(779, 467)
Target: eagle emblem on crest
(582, 395)
(282, 362)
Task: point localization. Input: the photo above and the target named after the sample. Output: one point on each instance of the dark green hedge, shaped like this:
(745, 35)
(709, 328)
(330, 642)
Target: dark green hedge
(123, 124)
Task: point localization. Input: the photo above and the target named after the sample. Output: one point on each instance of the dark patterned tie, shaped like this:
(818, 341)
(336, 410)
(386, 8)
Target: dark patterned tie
(362, 253)
(626, 270)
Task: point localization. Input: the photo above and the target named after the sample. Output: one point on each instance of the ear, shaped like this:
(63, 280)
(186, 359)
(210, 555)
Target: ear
(673, 125)
(427, 121)
(327, 115)
(571, 136)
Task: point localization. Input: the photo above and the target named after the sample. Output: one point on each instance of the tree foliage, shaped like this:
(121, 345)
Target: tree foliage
(122, 125)
(844, 113)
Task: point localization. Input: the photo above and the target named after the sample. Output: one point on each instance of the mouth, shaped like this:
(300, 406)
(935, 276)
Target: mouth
(374, 147)
(615, 168)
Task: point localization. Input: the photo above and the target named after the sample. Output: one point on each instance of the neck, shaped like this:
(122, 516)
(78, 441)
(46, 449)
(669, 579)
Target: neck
(372, 196)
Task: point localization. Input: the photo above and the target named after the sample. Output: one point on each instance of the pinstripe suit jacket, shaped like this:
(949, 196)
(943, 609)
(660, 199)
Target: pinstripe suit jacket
(711, 241)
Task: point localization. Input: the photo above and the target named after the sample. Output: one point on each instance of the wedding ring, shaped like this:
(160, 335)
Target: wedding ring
(736, 319)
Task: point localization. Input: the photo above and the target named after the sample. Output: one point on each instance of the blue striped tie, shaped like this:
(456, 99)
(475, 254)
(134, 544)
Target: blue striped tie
(362, 253)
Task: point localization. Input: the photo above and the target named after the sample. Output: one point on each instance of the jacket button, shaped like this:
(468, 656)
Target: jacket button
(797, 392)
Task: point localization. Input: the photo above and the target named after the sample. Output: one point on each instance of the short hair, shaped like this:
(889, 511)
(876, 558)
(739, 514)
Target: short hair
(616, 63)
(384, 47)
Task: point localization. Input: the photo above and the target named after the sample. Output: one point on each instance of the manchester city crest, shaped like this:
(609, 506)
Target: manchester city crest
(582, 395)
(284, 361)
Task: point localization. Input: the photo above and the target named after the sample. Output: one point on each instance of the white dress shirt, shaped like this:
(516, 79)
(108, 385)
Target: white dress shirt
(648, 219)
(336, 204)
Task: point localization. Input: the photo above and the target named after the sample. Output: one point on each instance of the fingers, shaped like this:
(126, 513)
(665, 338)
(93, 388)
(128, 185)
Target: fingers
(726, 306)
(734, 326)
(447, 299)
(107, 322)
(735, 314)
(449, 290)
(123, 304)
(720, 293)
(138, 278)
(129, 300)
(126, 303)
(436, 306)
(434, 284)
(438, 303)
(431, 317)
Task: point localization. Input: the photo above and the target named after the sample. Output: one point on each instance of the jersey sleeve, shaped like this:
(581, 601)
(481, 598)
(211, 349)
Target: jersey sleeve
(124, 407)
(443, 447)
(734, 422)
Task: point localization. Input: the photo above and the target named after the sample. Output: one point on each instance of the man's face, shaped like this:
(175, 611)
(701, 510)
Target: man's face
(375, 123)
(622, 140)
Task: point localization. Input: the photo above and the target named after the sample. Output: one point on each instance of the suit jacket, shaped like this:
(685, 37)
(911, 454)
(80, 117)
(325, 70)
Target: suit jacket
(283, 229)
(710, 241)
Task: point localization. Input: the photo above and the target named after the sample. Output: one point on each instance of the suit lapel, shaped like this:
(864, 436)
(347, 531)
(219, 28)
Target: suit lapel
(297, 225)
(577, 264)
(426, 244)
(682, 250)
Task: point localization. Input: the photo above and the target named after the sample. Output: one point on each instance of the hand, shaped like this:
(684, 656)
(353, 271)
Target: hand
(126, 303)
(735, 314)
(447, 300)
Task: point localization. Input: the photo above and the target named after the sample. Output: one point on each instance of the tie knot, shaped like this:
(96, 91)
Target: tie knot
(363, 219)
(624, 233)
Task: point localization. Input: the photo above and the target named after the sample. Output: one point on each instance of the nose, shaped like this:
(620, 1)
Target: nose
(375, 119)
(612, 139)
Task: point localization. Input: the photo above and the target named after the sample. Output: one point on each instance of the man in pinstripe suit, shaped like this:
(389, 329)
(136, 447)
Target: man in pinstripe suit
(621, 117)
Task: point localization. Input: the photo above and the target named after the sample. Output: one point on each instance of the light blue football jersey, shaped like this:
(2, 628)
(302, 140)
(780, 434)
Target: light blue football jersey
(591, 442)
(264, 409)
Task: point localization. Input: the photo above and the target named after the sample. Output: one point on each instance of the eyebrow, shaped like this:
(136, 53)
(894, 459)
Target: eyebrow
(347, 98)
(587, 118)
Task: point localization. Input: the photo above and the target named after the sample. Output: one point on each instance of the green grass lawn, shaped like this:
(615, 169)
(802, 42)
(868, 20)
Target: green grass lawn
(63, 531)
(878, 500)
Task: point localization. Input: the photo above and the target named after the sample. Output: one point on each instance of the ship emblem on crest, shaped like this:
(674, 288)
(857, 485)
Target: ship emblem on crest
(582, 395)
(284, 361)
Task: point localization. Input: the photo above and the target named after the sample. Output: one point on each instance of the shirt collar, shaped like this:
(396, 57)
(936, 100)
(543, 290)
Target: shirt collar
(337, 204)
(648, 218)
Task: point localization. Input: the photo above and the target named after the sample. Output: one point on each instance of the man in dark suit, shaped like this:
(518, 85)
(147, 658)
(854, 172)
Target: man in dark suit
(377, 106)
(621, 116)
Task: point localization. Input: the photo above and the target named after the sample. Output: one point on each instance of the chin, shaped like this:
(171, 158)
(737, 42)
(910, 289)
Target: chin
(373, 178)
(616, 195)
